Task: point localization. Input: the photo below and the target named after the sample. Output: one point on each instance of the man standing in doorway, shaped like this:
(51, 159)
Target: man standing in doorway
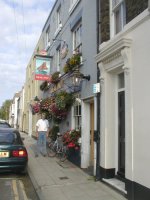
(42, 130)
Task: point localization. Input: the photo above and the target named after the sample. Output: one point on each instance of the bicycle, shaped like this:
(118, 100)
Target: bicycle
(56, 148)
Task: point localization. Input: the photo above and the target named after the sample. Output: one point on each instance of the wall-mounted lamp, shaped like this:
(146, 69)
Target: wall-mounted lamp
(36, 99)
(87, 77)
(78, 77)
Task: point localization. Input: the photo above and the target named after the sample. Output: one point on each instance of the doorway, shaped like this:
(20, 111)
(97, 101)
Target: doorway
(121, 129)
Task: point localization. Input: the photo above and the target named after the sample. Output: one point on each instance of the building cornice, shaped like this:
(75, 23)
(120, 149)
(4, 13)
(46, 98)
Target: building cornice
(111, 50)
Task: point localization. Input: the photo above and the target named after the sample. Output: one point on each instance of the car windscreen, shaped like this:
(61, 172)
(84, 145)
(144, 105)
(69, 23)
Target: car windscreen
(4, 125)
(7, 138)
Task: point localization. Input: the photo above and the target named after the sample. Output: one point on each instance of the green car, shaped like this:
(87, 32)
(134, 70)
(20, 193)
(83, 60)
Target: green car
(13, 154)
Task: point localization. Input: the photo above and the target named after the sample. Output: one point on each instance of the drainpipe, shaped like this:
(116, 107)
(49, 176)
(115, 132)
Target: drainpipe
(97, 133)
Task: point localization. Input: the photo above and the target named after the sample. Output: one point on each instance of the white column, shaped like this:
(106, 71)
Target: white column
(129, 148)
(95, 128)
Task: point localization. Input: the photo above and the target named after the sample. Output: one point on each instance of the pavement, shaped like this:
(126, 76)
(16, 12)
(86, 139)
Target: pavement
(54, 180)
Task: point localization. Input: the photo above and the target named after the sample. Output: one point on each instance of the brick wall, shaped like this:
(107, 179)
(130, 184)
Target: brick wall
(134, 8)
(105, 24)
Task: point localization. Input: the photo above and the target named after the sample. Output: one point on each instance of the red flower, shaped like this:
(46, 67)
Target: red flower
(70, 138)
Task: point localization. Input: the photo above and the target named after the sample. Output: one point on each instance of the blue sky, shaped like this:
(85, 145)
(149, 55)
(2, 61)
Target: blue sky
(21, 23)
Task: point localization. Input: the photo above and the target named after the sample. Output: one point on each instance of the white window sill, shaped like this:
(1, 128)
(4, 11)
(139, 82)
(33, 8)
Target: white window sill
(47, 46)
(57, 31)
(73, 6)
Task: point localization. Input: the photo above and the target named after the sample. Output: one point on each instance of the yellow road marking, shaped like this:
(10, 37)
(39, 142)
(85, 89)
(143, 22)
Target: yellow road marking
(23, 191)
(15, 190)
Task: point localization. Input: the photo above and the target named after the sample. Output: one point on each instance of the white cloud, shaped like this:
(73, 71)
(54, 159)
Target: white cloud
(21, 23)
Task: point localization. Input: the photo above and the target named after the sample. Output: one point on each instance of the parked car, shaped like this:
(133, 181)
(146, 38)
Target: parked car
(13, 154)
(4, 124)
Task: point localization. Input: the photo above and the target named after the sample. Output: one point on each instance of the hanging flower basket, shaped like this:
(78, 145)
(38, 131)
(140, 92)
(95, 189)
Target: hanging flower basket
(55, 77)
(57, 114)
(72, 62)
(46, 103)
(64, 100)
(44, 86)
(35, 108)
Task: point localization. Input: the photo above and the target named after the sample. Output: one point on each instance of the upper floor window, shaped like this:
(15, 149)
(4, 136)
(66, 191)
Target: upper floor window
(77, 38)
(47, 42)
(58, 19)
(73, 4)
(118, 15)
(58, 59)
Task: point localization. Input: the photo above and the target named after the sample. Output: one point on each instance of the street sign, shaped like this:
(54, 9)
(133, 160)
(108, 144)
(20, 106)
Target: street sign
(96, 88)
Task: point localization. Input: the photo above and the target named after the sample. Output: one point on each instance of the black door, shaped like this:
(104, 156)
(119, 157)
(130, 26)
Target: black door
(121, 131)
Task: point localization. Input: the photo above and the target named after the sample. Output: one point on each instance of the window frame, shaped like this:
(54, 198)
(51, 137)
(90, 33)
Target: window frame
(58, 17)
(47, 39)
(58, 59)
(73, 4)
(77, 115)
(77, 46)
(114, 8)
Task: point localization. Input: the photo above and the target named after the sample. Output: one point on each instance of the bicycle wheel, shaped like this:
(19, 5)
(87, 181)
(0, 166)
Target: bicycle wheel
(64, 155)
(52, 150)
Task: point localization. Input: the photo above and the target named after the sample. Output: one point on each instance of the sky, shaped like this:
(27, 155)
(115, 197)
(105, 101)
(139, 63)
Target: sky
(21, 23)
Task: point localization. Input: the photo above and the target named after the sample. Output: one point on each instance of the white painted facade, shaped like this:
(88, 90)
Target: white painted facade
(14, 110)
(127, 52)
(21, 110)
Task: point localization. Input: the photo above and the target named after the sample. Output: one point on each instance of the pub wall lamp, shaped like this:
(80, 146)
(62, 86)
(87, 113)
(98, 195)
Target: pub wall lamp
(87, 77)
(78, 77)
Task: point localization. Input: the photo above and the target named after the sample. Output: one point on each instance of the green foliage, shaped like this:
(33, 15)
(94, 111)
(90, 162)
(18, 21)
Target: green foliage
(44, 86)
(4, 110)
(64, 100)
(66, 68)
(72, 62)
(55, 77)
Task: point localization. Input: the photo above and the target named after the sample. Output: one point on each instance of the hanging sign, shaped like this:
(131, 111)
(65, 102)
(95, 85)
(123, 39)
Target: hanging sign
(42, 68)
(96, 88)
(43, 52)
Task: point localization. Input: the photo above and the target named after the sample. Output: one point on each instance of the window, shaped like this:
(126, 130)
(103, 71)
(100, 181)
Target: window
(58, 59)
(77, 38)
(47, 43)
(77, 114)
(52, 61)
(121, 83)
(118, 13)
(47, 38)
(7, 138)
(4, 125)
(58, 20)
(73, 4)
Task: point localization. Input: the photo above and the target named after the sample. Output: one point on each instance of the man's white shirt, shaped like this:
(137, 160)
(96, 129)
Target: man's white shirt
(42, 125)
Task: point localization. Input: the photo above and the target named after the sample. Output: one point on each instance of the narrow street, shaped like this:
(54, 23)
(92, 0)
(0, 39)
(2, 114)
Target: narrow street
(16, 187)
